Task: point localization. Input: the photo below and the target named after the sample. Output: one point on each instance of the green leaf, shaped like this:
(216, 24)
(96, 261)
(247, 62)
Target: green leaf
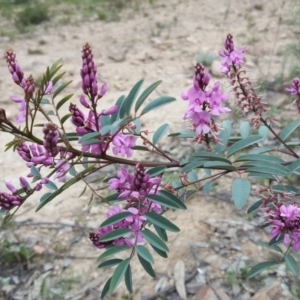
(244, 143)
(161, 221)
(105, 288)
(140, 148)
(147, 266)
(261, 267)
(45, 197)
(145, 94)
(291, 264)
(211, 156)
(35, 172)
(156, 171)
(160, 252)
(224, 136)
(240, 192)
(159, 133)
(51, 113)
(278, 239)
(65, 118)
(119, 103)
(192, 165)
(91, 135)
(173, 198)
(272, 170)
(128, 280)
(167, 202)
(58, 77)
(289, 129)
(63, 101)
(61, 88)
(116, 218)
(117, 233)
(118, 274)
(45, 101)
(263, 131)
(120, 123)
(110, 263)
(294, 166)
(259, 150)
(51, 185)
(261, 175)
(259, 157)
(159, 102)
(112, 197)
(281, 188)
(154, 240)
(254, 206)
(127, 104)
(144, 253)
(244, 129)
(207, 187)
(161, 233)
(219, 165)
(272, 247)
(112, 251)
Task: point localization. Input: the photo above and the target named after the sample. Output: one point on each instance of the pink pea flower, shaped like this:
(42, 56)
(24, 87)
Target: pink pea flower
(123, 144)
(63, 167)
(22, 107)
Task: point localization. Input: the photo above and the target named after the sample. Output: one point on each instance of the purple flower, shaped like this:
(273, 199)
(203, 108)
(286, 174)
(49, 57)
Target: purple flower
(123, 144)
(110, 111)
(14, 68)
(202, 122)
(8, 201)
(48, 88)
(286, 220)
(231, 56)
(63, 168)
(103, 90)
(295, 88)
(22, 107)
(51, 136)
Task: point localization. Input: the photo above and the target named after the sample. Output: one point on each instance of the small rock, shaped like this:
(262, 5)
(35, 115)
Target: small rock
(211, 293)
(118, 55)
(66, 262)
(161, 285)
(7, 288)
(193, 287)
(15, 279)
(216, 69)
(38, 249)
(179, 275)
(48, 266)
(200, 278)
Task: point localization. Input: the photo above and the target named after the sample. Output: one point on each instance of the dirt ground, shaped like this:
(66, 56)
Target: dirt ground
(159, 41)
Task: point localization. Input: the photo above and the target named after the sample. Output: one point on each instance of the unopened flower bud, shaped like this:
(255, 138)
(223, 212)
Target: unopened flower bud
(110, 111)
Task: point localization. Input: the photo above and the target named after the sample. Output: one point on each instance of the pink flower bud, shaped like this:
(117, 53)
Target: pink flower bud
(48, 88)
(103, 90)
(23, 182)
(110, 111)
(11, 187)
(83, 101)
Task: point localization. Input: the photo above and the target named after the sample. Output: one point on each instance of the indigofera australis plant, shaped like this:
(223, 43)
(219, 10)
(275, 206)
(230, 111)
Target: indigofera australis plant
(139, 198)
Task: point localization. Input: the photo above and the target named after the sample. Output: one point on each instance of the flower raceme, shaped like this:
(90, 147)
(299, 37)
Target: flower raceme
(203, 104)
(134, 189)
